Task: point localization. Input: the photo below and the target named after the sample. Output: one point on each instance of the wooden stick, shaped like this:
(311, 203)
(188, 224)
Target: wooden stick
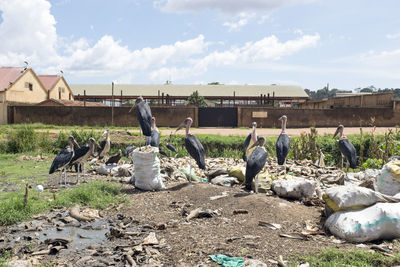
(26, 195)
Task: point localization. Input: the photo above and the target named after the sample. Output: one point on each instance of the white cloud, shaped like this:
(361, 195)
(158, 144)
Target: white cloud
(241, 20)
(266, 50)
(225, 6)
(393, 36)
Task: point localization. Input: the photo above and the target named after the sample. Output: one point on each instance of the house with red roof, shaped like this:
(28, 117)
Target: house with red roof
(19, 85)
(56, 87)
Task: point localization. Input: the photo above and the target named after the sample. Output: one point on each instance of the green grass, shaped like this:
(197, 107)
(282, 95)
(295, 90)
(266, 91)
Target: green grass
(16, 172)
(96, 195)
(333, 257)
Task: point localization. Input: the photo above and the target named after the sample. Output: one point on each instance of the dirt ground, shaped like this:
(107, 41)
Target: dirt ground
(233, 230)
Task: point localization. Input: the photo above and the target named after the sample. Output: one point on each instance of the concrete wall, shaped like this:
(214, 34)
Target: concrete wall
(173, 116)
(100, 116)
(297, 118)
(18, 92)
(370, 101)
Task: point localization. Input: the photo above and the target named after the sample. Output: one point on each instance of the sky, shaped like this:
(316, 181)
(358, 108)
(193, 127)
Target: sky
(348, 44)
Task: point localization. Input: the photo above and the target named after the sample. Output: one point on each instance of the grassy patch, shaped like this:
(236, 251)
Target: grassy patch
(97, 195)
(336, 257)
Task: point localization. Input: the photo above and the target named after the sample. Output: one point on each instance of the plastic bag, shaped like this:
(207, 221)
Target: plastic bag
(388, 182)
(147, 169)
(380, 221)
(294, 188)
(238, 172)
(352, 197)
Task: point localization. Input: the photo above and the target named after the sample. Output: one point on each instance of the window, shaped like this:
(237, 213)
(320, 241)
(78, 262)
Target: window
(29, 85)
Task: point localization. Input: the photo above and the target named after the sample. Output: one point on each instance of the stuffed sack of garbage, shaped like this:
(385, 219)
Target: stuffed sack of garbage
(351, 197)
(296, 188)
(378, 222)
(238, 172)
(388, 182)
(147, 169)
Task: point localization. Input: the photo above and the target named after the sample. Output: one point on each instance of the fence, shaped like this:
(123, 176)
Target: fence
(206, 117)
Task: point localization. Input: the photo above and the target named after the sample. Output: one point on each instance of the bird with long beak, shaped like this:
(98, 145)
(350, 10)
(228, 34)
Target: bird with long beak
(81, 155)
(105, 145)
(62, 160)
(143, 114)
(193, 145)
(250, 140)
(346, 148)
(283, 143)
(255, 163)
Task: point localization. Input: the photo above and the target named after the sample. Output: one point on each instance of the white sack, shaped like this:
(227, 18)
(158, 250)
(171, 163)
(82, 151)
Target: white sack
(294, 188)
(386, 182)
(380, 221)
(147, 169)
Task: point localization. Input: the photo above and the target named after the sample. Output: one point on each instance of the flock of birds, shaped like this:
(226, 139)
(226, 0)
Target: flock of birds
(254, 152)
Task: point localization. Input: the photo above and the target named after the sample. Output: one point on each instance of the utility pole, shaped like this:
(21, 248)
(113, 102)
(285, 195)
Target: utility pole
(112, 104)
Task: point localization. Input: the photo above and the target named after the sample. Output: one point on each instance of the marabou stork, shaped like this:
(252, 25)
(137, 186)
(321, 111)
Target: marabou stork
(169, 146)
(283, 143)
(63, 158)
(154, 139)
(256, 162)
(129, 150)
(81, 155)
(115, 158)
(193, 145)
(105, 145)
(250, 139)
(346, 148)
(143, 113)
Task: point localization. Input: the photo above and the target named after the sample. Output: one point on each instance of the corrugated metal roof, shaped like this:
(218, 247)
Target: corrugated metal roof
(8, 75)
(186, 90)
(48, 80)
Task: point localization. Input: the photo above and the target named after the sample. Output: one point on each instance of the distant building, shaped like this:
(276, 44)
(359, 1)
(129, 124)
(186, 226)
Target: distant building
(20, 85)
(366, 100)
(69, 103)
(171, 94)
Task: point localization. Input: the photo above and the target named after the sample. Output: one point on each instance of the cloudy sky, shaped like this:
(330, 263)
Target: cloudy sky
(347, 44)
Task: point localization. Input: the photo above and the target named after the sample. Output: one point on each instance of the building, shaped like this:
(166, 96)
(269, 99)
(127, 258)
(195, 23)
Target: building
(368, 100)
(20, 85)
(170, 94)
(57, 87)
(69, 103)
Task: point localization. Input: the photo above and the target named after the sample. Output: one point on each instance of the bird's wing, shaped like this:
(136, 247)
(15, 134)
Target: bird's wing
(282, 148)
(171, 147)
(155, 138)
(128, 150)
(80, 152)
(245, 146)
(349, 151)
(62, 159)
(196, 150)
(102, 145)
(143, 113)
(255, 163)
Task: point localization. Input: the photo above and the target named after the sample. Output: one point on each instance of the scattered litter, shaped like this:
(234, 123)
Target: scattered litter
(254, 263)
(151, 239)
(84, 215)
(227, 261)
(273, 226)
(240, 211)
(294, 236)
(224, 194)
(202, 213)
(225, 180)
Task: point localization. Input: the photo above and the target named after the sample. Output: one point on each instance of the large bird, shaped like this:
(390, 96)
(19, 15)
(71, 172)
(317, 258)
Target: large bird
(81, 155)
(193, 145)
(143, 113)
(255, 163)
(63, 158)
(346, 148)
(114, 158)
(250, 139)
(154, 138)
(105, 145)
(283, 143)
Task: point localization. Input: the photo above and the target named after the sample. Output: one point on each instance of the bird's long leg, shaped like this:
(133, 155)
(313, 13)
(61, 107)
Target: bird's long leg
(61, 176)
(190, 171)
(341, 165)
(65, 176)
(83, 171)
(256, 184)
(79, 169)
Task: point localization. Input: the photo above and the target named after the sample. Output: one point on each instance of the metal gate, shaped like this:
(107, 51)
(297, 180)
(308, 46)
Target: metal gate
(218, 117)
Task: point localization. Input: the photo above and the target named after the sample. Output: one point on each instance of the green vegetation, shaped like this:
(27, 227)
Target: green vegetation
(196, 99)
(336, 257)
(94, 194)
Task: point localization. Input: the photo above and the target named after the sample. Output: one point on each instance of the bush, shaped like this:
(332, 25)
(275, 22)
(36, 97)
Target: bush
(22, 140)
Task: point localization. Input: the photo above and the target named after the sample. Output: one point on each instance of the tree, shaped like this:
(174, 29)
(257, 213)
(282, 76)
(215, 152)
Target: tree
(197, 100)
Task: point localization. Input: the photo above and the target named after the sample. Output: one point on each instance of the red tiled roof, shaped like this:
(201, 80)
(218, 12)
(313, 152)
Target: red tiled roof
(65, 102)
(9, 75)
(48, 81)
